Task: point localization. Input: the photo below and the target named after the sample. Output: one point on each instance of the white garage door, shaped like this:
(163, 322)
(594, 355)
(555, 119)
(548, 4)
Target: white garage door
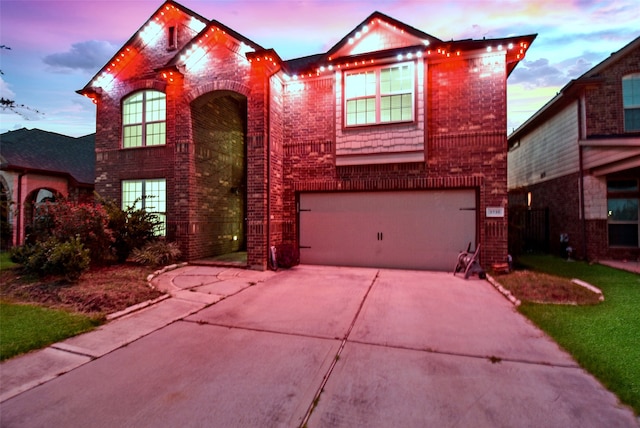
(408, 229)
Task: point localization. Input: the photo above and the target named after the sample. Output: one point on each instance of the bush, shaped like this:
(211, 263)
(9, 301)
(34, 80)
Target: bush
(52, 257)
(86, 222)
(287, 255)
(157, 253)
(132, 228)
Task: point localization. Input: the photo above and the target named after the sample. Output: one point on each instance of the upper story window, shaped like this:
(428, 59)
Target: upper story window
(144, 119)
(380, 95)
(631, 102)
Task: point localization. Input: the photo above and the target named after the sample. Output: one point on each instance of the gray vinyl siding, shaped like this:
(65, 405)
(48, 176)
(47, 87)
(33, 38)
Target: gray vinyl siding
(549, 151)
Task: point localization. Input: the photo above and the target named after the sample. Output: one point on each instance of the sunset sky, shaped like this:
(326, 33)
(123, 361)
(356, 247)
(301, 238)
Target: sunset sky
(57, 46)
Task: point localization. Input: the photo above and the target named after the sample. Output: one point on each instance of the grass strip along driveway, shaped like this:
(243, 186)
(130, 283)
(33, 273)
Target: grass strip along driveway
(603, 338)
(28, 327)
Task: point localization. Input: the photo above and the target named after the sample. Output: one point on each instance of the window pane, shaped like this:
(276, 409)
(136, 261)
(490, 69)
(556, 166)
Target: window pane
(360, 84)
(623, 209)
(632, 119)
(631, 90)
(156, 134)
(396, 108)
(351, 112)
(624, 235)
(407, 107)
(156, 107)
(396, 79)
(132, 110)
(131, 190)
(156, 195)
(156, 202)
(132, 136)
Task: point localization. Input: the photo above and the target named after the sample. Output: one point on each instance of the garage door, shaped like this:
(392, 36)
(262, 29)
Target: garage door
(409, 230)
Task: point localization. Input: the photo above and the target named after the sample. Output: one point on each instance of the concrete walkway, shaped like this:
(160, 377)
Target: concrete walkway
(321, 346)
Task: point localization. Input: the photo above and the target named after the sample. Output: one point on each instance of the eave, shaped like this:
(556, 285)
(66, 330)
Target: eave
(29, 170)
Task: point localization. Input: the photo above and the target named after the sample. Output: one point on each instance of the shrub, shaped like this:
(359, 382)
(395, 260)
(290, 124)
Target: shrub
(157, 253)
(287, 255)
(132, 228)
(63, 219)
(52, 257)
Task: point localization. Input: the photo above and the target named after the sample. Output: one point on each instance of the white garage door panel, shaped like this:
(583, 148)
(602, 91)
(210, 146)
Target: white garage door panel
(412, 230)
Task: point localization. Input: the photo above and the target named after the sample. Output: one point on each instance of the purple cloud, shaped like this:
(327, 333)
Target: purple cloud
(86, 56)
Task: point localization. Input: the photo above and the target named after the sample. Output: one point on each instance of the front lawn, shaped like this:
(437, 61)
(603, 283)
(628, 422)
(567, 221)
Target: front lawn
(603, 338)
(38, 311)
(27, 327)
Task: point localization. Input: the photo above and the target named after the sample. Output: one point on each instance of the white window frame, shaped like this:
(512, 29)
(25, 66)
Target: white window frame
(631, 98)
(149, 195)
(144, 116)
(371, 95)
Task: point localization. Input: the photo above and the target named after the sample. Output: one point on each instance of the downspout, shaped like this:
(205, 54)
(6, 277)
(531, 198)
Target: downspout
(581, 136)
(268, 127)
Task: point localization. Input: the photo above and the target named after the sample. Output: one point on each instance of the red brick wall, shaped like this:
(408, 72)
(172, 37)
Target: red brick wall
(290, 146)
(604, 107)
(561, 196)
(466, 145)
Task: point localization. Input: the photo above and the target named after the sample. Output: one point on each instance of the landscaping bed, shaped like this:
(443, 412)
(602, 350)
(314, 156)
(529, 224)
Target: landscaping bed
(99, 291)
(538, 287)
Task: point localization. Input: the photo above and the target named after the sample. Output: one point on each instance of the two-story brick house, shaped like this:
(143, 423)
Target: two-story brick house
(579, 158)
(388, 150)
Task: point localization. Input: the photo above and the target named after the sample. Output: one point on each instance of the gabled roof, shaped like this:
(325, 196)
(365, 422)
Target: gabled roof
(412, 35)
(352, 49)
(34, 150)
(125, 53)
(379, 37)
(567, 93)
(213, 26)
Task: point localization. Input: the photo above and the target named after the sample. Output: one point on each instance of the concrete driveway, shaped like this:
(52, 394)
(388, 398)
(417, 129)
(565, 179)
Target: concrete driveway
(325, 347)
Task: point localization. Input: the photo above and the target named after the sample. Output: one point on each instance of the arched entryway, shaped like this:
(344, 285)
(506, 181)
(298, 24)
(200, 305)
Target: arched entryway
(219, 121)
(33, 202)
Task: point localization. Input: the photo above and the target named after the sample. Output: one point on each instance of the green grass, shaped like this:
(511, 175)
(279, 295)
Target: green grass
(604, 338)
(5, 260)
(25, 327)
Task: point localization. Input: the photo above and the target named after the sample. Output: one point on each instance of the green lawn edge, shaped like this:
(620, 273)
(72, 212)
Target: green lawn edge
(25, 328)
(605, 338)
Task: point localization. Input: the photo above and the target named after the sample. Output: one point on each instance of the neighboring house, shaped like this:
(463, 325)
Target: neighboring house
(578, 158)
(37, 166)
(388, 150)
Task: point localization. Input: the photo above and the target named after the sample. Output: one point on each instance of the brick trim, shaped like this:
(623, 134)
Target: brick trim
(218, 85)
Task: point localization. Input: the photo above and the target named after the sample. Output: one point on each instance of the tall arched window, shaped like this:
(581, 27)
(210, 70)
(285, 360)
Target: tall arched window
(144, 119)
(631, 101)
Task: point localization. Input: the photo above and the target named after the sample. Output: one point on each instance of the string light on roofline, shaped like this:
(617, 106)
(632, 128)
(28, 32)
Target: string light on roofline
(408, 56)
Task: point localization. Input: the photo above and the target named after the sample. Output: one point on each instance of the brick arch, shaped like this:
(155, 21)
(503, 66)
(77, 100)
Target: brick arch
(218, 85)
(138, 85)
